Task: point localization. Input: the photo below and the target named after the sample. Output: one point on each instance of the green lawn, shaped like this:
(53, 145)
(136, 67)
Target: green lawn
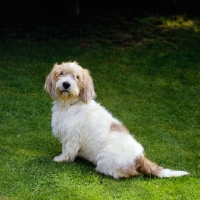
(150, 81)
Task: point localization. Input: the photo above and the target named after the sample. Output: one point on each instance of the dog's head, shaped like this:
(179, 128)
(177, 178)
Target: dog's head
(69, 80)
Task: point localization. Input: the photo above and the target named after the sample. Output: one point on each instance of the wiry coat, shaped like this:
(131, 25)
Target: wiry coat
(87, 129)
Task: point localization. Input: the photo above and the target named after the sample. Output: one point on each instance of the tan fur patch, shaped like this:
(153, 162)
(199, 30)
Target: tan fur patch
(145, 166)
(118, 128)
(142, 166)
(50, 86)
(87, 87)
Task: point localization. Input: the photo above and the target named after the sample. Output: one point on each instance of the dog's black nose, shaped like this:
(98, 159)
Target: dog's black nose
(66, 85)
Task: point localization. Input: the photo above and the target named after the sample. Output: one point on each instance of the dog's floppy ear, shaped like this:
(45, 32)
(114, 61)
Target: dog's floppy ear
(87, 92)
(50, 86)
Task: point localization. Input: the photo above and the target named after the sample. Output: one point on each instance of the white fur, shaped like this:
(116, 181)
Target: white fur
(171, 173)
(84, 127)
(84, 130)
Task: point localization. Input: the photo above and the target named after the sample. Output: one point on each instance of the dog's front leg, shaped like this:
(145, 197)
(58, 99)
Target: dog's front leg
(69, 152)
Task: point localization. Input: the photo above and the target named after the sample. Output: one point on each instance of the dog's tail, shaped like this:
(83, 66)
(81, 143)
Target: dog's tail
(145, 166)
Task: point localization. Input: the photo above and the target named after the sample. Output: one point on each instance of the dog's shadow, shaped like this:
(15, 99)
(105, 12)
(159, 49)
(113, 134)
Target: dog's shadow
(43, 164)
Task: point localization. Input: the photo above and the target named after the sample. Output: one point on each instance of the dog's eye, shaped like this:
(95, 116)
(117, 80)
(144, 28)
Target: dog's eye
(61, 74)
(77, 77)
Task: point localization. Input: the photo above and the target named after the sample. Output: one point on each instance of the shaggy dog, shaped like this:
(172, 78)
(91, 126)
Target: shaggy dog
(87, 129)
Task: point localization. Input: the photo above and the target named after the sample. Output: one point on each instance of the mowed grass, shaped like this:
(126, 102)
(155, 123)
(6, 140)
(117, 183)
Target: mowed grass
(152, 85)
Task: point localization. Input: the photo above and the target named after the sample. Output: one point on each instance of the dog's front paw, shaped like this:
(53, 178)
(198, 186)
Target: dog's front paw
(61, 158)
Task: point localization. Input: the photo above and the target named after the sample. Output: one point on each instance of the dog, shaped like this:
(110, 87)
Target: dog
(88, 130)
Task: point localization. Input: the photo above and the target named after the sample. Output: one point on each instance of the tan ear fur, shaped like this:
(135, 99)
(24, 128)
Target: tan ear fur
(87, 92)
(50, 86)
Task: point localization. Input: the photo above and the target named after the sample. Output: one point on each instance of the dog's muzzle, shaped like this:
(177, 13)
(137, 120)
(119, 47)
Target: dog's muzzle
(66, 86)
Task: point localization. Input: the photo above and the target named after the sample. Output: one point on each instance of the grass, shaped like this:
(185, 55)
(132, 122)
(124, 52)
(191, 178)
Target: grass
(149, 80)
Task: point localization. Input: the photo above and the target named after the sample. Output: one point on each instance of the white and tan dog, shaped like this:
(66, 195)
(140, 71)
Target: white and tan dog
(87, 129)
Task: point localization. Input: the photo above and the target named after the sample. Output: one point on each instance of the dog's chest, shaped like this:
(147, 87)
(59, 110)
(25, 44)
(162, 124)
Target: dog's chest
(66, 120)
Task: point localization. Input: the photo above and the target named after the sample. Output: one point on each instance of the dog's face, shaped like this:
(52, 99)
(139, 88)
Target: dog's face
(69, 80)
